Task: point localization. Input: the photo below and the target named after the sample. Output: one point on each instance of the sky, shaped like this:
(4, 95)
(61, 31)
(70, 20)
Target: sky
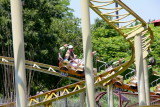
(146, 9)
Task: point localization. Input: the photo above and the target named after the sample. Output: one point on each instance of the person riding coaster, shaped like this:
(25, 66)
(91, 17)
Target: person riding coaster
(75, 65)
(70, 63)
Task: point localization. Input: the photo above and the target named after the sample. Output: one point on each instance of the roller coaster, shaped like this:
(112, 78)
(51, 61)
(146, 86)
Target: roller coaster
(106, 10)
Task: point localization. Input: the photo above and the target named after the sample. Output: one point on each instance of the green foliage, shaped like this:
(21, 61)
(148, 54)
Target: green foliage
(102, 29)
(155, 47)
(137, 22)
(47, 26)
(107, 42)
(112, 48)
(50, 24)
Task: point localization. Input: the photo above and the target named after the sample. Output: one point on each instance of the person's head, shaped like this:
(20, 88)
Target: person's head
(70, 47)
(65, 45)
(93, 53)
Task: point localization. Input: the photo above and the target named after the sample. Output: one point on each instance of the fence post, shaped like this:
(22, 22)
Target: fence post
(120, 99)
(110, 95)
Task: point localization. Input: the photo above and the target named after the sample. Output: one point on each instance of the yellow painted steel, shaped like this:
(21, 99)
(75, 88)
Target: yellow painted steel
(137, 27)
(104, 4)
(98, 1)
(121, 17)
(107, 14)
(109, 8)
(133, 20)
(45, 68)
(131, 35)
(116, 15)
(103, 11)
(72, 89)
(101, 79)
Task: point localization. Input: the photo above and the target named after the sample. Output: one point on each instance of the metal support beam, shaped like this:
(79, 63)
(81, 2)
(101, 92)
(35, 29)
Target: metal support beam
(19, 57)
(49, 105)
(139, 69)
(83, 99)
(110, 95)
(120, 99)
(87, 52)
(116, 5)
(146, 79)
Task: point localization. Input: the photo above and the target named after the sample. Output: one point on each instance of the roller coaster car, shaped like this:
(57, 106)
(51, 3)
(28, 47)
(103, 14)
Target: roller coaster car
(157, 89)
(133, 83)
(68, 67)
(118, 80)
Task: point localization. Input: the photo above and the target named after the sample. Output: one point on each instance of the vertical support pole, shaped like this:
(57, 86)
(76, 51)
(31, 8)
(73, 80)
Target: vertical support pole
(116, 5)
(66, 102)
(87, 52)
(19, 57)
(139, 69)
(110, 95)
(120, 99)
(146, 79)
(82, 98)
(49, 105)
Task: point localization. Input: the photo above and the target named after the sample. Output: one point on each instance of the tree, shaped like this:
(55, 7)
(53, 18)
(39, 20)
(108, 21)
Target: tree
(108, 43)
(155, 47)
(102, 29)
(48, 25)
(7, 81)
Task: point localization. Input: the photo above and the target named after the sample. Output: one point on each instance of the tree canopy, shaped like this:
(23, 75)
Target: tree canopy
(47, 25)
(108, 43)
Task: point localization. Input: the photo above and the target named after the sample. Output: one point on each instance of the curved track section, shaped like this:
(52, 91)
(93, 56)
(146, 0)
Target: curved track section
(53, 95)
(128, 29)
(76, 88)
(106, 10)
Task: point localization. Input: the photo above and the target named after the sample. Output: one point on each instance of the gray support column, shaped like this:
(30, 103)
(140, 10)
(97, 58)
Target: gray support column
(146, 79)
(83, 99)
(139, 69)
(19, 58)
(110, 95)
(87, 52)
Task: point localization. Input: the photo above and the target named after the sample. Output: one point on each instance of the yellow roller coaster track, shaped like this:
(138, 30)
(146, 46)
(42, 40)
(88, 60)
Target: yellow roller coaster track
(45, 68)
(106, 10)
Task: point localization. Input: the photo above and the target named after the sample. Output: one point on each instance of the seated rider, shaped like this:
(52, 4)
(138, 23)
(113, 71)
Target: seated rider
(62, 52)
(70, 56)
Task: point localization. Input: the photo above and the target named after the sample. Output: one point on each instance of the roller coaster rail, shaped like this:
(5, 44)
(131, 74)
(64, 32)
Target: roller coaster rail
(44, 68)
(106, 14)
(154, 81)
(133, 71)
